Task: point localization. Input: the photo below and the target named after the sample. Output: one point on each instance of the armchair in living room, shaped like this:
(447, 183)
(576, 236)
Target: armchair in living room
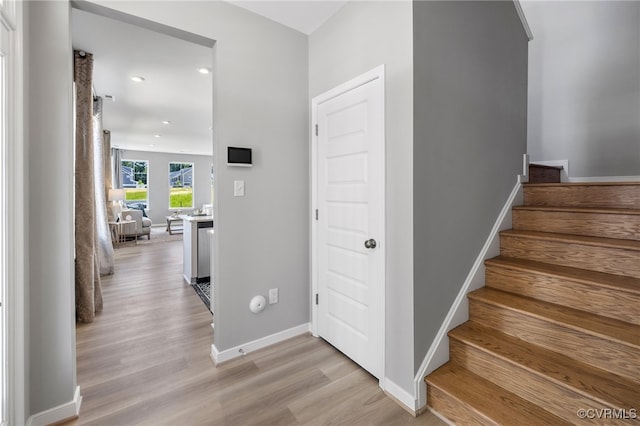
(141, 227)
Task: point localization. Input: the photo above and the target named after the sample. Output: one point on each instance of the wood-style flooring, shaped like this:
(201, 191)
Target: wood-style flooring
(145, 360)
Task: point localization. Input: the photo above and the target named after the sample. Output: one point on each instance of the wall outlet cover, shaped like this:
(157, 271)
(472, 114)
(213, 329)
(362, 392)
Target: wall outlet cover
(273, 296)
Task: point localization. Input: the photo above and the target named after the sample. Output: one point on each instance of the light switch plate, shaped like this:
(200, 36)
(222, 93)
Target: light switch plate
(238, 188)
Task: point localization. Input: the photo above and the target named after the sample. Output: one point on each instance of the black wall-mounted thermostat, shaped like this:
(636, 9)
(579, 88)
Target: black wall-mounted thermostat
(238, 157)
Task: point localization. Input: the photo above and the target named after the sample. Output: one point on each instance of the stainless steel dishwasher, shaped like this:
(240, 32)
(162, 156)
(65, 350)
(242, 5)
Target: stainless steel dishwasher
(203, 269)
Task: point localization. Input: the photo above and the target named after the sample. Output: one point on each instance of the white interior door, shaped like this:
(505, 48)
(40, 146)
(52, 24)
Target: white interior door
(350, 223)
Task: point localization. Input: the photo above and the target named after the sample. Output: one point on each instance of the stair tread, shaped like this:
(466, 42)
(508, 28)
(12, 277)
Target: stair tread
(584, 210)
(602, 279)
(575, 239)
(602, 386)
(609, 328)
(489, 399)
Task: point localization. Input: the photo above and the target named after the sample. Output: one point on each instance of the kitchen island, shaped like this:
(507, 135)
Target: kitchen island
(196, 248)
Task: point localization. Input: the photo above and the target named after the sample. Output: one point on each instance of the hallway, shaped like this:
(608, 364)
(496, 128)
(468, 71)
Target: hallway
(145, 360)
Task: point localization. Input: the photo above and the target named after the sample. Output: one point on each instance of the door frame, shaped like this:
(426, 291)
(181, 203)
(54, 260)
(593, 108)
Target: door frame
(377, 73)
(13, 200)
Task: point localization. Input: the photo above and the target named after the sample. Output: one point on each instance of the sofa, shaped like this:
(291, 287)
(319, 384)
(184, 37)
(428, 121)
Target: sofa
(140, 228)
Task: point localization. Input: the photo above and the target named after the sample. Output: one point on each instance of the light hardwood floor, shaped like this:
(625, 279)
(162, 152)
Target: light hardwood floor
(145, 360)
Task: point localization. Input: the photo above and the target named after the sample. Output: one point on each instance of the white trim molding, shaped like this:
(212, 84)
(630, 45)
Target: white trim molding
(597, 179)
(219, 357)
(14, 412)
(57, 414)
(438, 353)
(523, 19)
(400, 395)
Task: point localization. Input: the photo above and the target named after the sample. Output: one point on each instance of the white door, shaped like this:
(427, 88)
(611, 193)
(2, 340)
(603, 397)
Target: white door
(349, 238)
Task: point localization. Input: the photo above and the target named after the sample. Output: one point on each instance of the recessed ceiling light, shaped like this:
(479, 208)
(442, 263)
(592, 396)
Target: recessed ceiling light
(137, 79)
(166, 122)
(152, 145)
(204, 70)
(157, 136)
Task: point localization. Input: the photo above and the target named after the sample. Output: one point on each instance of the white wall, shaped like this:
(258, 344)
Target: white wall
(49, 173)
(262, 239)
(158, 180)
(584, 85)
(359, 37)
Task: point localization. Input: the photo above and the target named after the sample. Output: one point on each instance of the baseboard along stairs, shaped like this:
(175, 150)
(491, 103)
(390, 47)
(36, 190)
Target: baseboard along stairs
(554, 336)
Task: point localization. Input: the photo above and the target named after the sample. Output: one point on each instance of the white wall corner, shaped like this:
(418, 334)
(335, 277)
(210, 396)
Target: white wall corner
(400, 395)
(438, 353)
(246, 348)
(57, 414)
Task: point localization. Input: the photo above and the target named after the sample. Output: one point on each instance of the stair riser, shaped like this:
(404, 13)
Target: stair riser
(539, 174)
(614, 196)
(555, 398)
(595, 258)
(591, 349)
(602, 301)
(453, 409)
(622, 226)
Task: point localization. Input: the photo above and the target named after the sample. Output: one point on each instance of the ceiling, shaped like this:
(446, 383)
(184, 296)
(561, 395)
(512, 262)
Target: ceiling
(173, 90)
(302, 15)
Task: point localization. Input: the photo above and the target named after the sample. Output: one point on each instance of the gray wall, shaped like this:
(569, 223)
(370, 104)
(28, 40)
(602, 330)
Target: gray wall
(159, 180)
(261, 240)
(51, 375)
(584, 85)
(361, 36)
(470, 70)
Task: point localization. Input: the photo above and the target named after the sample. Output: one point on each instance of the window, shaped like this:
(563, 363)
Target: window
(180, 185)
(134, 180)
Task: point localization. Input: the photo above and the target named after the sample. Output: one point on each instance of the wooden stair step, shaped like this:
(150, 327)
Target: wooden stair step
(465, 398)
(594, 222)
(602, 342)
(608, 295)
(561, 384)
(614, 256)
(601, 194)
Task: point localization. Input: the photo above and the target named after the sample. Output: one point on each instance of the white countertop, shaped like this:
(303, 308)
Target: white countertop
(190, 218)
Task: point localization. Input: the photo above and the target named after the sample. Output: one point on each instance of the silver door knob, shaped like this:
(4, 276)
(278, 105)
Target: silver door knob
(370, 244)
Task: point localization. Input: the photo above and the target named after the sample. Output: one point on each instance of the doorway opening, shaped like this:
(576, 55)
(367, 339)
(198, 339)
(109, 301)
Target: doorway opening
(156, 85)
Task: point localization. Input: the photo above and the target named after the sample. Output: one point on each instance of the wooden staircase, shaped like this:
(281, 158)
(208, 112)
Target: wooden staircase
(554, 337)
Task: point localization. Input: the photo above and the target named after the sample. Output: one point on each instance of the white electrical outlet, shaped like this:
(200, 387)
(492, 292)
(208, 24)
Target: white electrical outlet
(273, 296)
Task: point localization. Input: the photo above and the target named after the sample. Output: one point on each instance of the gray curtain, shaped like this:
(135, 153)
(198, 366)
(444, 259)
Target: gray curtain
(104, 247)
(87, 271)
(116, 155)
(106, 164)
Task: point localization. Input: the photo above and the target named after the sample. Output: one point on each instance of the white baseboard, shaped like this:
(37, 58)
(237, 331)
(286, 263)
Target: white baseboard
(56, 414)
(400, 395)
(438, 353)
(240, 350)
(604, 179)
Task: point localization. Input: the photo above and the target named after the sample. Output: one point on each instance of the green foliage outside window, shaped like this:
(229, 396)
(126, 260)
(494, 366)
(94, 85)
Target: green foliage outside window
(180, 185)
